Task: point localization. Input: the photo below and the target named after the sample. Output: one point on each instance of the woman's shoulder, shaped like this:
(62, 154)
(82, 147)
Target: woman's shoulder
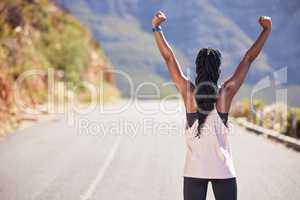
(189, 98)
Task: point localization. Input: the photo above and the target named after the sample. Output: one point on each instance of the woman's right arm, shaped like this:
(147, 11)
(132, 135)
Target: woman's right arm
(232, 85)
(183, 85)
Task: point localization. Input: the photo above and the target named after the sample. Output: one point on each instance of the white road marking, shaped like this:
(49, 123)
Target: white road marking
(88, 194)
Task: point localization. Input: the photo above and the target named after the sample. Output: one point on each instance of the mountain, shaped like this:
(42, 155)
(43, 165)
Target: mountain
(283, 48)
(125, 29)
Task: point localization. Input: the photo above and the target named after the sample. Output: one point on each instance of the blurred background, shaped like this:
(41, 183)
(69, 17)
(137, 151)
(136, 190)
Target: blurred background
(86, 39)
(124, 29)
(55, 54)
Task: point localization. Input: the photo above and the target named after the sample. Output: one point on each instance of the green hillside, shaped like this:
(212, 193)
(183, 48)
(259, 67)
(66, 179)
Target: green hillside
(38, 34)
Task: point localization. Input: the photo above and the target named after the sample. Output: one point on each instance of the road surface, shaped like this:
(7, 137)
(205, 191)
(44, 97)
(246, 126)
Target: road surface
(131, 155)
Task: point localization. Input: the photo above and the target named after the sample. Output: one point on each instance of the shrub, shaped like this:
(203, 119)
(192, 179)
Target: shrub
(294, 114)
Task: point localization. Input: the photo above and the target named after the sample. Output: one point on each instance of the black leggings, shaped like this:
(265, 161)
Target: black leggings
(196, 188)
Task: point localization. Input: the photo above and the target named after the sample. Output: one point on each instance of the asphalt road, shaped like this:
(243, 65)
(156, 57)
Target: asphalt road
(131, 155)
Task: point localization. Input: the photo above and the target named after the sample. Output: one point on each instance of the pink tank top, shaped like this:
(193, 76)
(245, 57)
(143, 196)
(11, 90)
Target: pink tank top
(209, 156)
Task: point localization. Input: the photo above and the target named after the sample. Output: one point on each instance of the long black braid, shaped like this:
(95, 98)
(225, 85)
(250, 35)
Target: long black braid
(208, 72)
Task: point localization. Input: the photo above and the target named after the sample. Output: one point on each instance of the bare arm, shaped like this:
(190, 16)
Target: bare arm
(232, 85)
(183, 85)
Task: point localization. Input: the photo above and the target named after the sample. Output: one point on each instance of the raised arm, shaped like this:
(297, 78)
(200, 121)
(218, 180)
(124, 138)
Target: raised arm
(234, 83)
(184, 86)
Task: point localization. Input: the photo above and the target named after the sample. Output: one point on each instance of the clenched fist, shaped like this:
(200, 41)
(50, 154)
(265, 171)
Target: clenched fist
(265, 22)
(158, 19)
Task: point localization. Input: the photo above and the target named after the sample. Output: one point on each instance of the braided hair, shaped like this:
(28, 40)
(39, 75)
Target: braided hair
(208, 72)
